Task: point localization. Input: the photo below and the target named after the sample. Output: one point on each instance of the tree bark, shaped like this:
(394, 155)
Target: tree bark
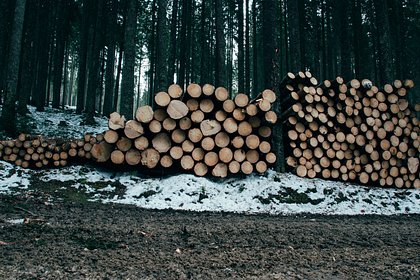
(127, 83)
(81, 75)
(60, 39)
(8, 114)
(161, 48)
(294, 36)
(220, 66)
(110, 59)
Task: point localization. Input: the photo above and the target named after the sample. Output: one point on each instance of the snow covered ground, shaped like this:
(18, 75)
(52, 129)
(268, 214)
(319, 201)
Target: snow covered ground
(272, 193)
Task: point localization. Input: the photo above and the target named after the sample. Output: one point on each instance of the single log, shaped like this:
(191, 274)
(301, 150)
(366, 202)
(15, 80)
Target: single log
(238, 142)
(166, 161)
(234, 167)
(264, 105)
(246, 167)
(124, 144)
(251, 110)
(160, 115)
(162, 99)
(178, 136)
(175, 91)
(269, 95)
(220, 170)
(271, 117)
(155, 126)
(252, 156)
(208, 89)
(255, 121)
(241, 100)
(413, 165)
(111, 136)
(264, 131)
(244, 128)
(225, 155)
(133, 129)
(101, 151)
(207, 143)
(220, 116)
(177, 109)
(185, 123)
(150, 158)
(162, 142)
(206, 105)
(271, 158)
(116, 121)
(141, 143)
(198, 154)
(192, 104)
(169, 124)
(211, 159)
(176, 152)
(197, 116)
(230, 125)
(210, 127)
(195, 135)
(221, 94)
(222, 140)
(117, 157)
(252, 141)
(200, 169)
(144, 114)
(187, 162)
(261, 167)
(188, 146)
(133, 157)
(229, 106)
(194, 90)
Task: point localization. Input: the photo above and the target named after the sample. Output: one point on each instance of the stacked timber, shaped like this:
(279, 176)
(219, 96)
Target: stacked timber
(202, 130)
(351, 131)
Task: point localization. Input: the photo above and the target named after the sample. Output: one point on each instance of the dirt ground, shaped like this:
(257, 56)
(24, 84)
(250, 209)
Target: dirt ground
(68, 240)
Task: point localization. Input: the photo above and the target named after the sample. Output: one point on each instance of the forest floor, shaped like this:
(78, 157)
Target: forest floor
(42, 239)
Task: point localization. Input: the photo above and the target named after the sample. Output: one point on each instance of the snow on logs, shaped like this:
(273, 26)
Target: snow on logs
(352, 131)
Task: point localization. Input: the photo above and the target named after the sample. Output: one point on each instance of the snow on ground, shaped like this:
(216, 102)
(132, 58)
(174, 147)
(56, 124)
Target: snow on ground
(273, 193)
(270, 194)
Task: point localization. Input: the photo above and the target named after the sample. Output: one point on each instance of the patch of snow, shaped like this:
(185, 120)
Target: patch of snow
(12, 178)
(15, 221)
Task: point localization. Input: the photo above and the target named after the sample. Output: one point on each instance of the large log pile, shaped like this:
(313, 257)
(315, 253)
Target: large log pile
(351, 131)
(202, 131)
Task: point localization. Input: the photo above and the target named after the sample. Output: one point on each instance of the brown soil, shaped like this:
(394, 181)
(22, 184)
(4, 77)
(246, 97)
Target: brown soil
(95, 241)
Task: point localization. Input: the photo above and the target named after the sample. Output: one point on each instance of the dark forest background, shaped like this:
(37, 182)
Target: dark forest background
(113, 55)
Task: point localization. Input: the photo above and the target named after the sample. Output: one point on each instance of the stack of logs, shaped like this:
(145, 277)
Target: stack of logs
(351, 131)
(203, 131)
(30, 151)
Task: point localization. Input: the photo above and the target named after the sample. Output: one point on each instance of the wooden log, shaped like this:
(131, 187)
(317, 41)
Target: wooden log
(194, 90)
(111, 136)
(234, 167)
(211, 159)
(155, 126)
(188, 146)
(200, 169)
(251, 110)
(198, 154)
(220, 170)
(197, 116)
(141, 143)
(255, 121)
(230, 125)
(169, 124)
(271, 158)
(222, 140)
(117, 157)
(144, 114)
(225, 155)
(116, 121)
(252, 156)
(133, 157)
(238, 142)
(150, 158)
(161, 142)
(101, 151)
(123, 144)
(252, 141)
(220, 116)
(269, 95)
(133, 129)
(177, 109)
(244, 128)
(207, 143)
(175, 91)
(162, 99)
(176, 152)
(206, 105)
(241, 100)
(185, 123)
(187, 162)
(166, 161)
(210, 127)
(208, 89)
(264, 131)
(246, 167)
(192, 104)
(221, 94)
(271, 117)
(178, 136)
(195, 135)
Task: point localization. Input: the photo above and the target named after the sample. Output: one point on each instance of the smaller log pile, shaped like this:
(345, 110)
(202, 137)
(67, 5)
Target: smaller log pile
(37, 151)
(202, 131)
(351, 131)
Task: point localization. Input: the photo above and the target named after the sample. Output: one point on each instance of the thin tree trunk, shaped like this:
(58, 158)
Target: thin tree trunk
(247, 51)
(173, 43)
(127, 83)
(8, 114)
(65, 78)
(294, 36)
(117, 80)
(162, 55)
(81, 76)
(241, 58)
(221, 74)
(59, 53)
(255, 84)
(110, 59)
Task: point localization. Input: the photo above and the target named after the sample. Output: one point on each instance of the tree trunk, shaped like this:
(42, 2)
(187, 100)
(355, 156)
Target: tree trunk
(110, 59)
(386, 62)
(127, 83)
(8, 114)
(344, 38)
(220, 57)
(173, 43)
(294, 36)
(241, 58)
(247, 50)
(162, 54)
(81, 75)
(60, 39)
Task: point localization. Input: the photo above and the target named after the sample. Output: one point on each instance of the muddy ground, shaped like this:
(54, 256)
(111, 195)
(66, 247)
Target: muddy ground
(75, 240)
